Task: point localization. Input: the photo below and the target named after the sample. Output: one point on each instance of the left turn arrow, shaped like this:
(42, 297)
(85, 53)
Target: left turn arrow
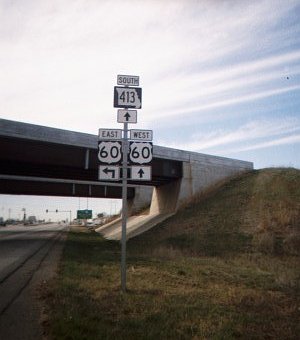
(110, 173)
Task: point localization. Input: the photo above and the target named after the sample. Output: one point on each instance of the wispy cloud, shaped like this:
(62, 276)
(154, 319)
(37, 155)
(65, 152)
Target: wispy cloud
(231, 85)
(233, 100)
(293, 139)
(245, 137)
(61, 58)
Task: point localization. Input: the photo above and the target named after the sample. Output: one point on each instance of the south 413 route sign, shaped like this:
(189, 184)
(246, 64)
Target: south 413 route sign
(128, 97)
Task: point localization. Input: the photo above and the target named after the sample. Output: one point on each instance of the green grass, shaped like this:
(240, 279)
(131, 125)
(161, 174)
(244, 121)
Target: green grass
(199, 275)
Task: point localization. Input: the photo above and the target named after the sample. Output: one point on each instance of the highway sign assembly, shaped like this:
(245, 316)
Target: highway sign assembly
(141, 173)
(144, 135)
(109, 134)
(109, 152)
(127, 116)
(114, 147)
(140, 152)
(109, 172)
(128, 97)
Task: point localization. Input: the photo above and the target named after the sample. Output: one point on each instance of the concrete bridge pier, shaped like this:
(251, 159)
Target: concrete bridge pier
(165, 198)
(141, 200)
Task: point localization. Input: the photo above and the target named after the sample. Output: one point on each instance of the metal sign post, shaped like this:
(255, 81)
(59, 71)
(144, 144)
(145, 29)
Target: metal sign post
(124, 207)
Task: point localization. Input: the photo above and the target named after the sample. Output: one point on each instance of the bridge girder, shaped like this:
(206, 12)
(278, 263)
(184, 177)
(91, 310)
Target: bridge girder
(48, 166)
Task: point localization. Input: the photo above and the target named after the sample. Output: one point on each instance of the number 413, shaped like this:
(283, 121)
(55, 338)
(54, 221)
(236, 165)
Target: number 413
(128, 96)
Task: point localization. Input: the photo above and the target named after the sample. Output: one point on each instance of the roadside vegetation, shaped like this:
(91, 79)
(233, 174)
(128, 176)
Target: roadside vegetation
(225, 266)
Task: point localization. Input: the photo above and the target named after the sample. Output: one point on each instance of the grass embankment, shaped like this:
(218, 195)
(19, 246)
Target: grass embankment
(226, 266)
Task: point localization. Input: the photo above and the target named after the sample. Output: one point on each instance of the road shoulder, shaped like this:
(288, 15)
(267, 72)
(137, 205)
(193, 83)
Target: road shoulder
(26, 317)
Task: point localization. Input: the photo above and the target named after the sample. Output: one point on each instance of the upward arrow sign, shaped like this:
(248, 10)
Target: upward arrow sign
(127, 116)
(141, 173)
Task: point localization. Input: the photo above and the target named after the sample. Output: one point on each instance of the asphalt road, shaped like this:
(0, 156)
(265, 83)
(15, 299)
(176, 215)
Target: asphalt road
(28, 260)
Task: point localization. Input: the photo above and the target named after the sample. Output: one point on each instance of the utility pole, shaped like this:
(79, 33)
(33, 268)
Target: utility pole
(24, 216)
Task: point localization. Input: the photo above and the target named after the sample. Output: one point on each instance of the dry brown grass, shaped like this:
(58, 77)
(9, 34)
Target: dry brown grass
(224, 267)
(168, 298)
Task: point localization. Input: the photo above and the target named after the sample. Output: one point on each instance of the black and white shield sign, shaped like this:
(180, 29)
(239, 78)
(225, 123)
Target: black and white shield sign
(109, 152)
(140, 152)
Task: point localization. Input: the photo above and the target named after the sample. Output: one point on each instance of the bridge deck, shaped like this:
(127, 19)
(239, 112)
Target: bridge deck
(46, 161)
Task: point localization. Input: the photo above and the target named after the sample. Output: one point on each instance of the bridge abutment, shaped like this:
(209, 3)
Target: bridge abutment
(197, 177)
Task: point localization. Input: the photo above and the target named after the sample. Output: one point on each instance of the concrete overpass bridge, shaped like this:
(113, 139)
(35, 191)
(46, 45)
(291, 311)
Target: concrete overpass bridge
(39, 160)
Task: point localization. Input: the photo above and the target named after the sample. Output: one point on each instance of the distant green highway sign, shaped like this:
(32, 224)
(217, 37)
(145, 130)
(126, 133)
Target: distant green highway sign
(84, 214)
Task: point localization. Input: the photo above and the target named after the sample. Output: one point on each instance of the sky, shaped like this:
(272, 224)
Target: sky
(218, 77)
